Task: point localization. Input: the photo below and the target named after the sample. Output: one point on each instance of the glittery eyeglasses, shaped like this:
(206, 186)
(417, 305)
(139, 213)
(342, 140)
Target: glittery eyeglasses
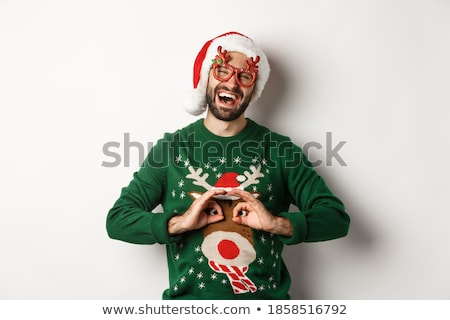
(223, 71)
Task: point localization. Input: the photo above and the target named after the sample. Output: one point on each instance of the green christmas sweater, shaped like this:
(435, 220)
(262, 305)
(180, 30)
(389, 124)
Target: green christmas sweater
(225, 260)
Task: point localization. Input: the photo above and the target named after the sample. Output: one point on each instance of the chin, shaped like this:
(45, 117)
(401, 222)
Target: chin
(226, 114)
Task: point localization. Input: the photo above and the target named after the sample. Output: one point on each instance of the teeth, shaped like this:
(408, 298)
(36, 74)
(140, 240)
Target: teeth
(227, 95)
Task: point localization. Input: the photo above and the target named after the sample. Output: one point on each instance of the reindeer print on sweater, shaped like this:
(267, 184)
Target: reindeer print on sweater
(228, 247)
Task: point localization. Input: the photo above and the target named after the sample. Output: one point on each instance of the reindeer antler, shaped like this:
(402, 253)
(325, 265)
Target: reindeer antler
(252, 64)
(199, 180)
(221, 57)
(252, 178)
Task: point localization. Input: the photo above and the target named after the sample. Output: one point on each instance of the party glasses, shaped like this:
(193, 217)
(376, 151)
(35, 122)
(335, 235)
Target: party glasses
(223, 71)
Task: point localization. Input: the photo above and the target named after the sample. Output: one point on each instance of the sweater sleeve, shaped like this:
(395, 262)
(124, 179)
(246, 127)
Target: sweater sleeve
(131, 218)
(322, 215)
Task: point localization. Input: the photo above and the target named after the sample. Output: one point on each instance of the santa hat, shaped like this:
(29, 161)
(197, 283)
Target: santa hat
(229, 180)
(195, 103)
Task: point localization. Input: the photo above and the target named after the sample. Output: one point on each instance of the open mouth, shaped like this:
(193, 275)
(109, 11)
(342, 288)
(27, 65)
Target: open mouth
(228, 98)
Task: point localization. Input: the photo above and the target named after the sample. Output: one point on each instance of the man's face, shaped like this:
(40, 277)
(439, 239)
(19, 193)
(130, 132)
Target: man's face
(227, 100)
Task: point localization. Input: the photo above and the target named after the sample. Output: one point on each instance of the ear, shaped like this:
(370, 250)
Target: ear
(195, 195)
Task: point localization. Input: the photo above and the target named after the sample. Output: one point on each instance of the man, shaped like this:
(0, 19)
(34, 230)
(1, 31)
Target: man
(225, 184)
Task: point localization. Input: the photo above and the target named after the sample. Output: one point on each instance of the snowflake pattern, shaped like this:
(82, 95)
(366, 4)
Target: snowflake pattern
(198, 270)
(217, 171)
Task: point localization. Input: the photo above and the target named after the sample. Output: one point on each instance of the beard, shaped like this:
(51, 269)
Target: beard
(224, 114)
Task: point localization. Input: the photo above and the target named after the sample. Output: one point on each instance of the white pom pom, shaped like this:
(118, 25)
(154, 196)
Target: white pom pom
(195, 102)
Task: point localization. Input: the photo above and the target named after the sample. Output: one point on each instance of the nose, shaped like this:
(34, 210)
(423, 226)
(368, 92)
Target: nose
(233, 79)
(228, 249)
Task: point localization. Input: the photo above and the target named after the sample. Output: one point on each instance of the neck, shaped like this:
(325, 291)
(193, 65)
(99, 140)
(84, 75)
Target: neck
(224, 128)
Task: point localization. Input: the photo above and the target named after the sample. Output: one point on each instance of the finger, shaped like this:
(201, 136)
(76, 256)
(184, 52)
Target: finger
(214, 219)
(214, 209)
(208, 195)
(214, 212)
(214, 192)
(242, 209)
(237, 208)
(244, 195)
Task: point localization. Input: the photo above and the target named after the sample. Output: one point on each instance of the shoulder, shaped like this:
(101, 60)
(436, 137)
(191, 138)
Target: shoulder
(268, 134)
(184, 132)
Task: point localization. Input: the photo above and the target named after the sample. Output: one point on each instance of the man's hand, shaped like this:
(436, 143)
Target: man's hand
(203, 211)
(252, 212)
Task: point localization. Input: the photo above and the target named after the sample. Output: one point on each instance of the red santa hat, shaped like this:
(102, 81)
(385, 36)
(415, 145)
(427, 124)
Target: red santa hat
(195, 103)
(229, 180)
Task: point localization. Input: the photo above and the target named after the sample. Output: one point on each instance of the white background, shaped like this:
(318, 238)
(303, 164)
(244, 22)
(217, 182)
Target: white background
(75, 75)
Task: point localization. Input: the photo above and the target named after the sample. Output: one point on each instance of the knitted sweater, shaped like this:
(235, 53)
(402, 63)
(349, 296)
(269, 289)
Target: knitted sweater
(225, 260)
